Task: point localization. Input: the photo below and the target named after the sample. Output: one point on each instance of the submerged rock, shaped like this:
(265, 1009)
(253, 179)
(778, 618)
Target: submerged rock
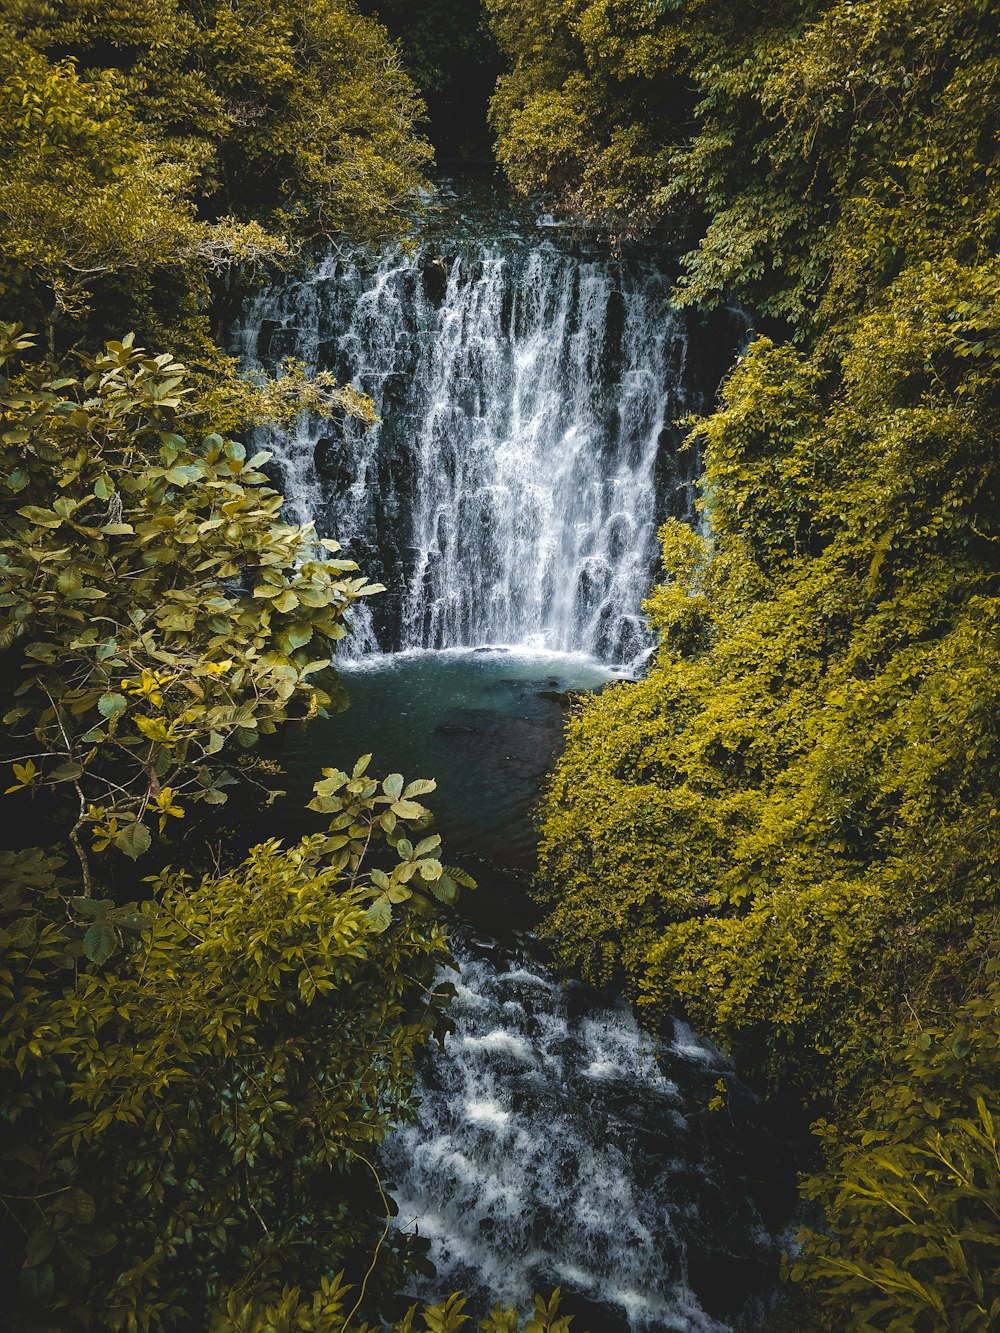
(565, 698)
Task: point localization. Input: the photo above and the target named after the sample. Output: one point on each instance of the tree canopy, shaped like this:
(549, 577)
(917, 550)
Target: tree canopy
(197, 1061)
(285, 113)
(150, 151)
(790, 826)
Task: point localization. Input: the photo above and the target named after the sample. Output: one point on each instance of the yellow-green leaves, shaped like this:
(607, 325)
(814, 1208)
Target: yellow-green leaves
(290, 114)
(364, 810)
(239, 1061)
(911, 1188)
(330, 1309)
(85, 196)
(24, 775)
(140, 654)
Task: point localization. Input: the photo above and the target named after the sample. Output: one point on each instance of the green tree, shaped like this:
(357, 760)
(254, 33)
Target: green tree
(599, 97)
(294, 114)
(85, 198)
(808, 150)
(157, 615)
(194, 1128)
(155, 159)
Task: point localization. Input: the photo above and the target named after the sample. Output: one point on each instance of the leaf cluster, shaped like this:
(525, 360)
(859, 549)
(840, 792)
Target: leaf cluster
(912, 1193)
(323, 1312)
(364, 808)
(193, 1127)
(157, 616)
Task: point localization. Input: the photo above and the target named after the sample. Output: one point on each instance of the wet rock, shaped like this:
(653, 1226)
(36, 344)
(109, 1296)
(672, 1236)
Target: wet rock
(723, 1281)
(564, 698)
(265, 333)
(588, 1313)
(434, 275)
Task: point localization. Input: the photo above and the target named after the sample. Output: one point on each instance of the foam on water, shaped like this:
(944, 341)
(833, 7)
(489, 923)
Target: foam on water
(549, 1149)
(524, 658)
(512, 492)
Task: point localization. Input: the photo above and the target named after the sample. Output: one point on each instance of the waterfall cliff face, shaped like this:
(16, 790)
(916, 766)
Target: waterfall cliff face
(528, 396)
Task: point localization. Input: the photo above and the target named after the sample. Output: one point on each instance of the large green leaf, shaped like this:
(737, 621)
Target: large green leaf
(133, 840)
(380, 915)
(100, 942)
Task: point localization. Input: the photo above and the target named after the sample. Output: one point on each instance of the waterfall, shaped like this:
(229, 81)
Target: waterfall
(528, 395)
(556, 1143)
(529, 390)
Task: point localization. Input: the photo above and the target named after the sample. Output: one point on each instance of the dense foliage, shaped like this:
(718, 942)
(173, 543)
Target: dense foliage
(153, 610)
(278, 110)
(149, 150)
(913, 1194)
(196, 1068)
(193, 1126)
(791, 826)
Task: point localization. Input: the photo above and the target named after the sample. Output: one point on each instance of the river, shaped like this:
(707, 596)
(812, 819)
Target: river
(530, 385)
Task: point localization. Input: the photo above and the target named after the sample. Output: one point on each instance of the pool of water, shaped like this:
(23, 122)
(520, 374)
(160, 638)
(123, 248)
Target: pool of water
(485, 723)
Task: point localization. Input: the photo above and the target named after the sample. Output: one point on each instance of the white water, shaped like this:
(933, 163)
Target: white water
(557, 1144)
(514, 488)
(511, 496)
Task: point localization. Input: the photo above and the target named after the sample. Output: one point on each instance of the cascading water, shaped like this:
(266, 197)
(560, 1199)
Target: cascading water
(528, 391)
(559, 1144)
(528, 395)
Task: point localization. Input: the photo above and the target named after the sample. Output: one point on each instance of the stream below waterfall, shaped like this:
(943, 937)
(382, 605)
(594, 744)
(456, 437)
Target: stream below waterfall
(557, 1143)
(529, 386)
